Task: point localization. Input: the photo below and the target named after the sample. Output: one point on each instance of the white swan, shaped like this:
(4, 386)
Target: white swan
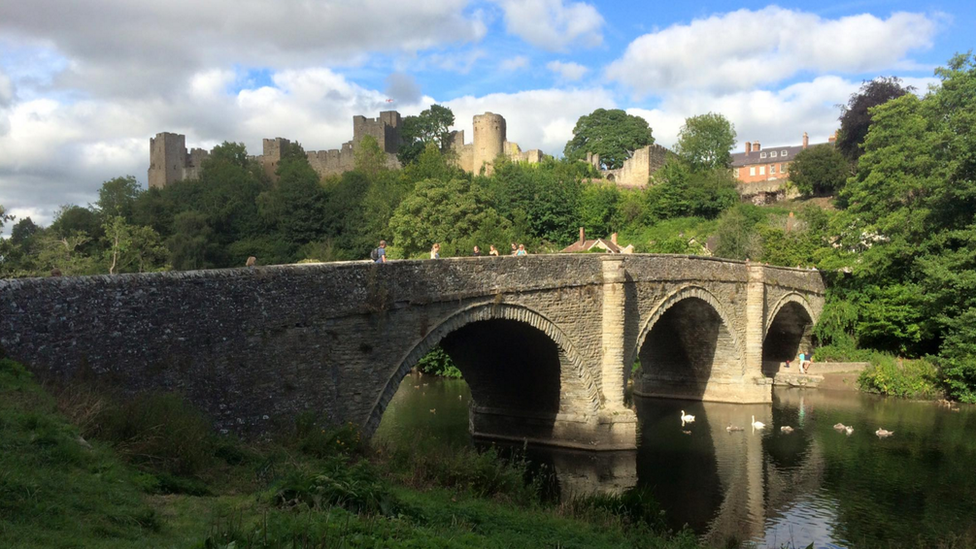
(757, 424)
(883, 433)
(848, 430)
(840, 426)
(686, 418)
(786, 429)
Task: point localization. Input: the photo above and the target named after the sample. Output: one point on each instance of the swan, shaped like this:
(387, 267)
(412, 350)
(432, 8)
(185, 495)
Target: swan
(687, 418)
(848, 430)
(733, 428)
(757, 424)
(840, 426)
(883, 433)
(786, 429)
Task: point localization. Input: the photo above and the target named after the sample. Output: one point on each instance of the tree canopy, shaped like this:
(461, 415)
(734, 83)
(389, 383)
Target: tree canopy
(855, 118)
(431, 126)
(819, 170)
(613, 134)
(705, 142)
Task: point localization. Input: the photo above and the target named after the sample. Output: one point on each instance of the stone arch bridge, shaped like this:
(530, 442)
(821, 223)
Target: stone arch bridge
(546, 342)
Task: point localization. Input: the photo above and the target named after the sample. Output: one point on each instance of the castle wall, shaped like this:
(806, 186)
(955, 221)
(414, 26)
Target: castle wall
(638, 168)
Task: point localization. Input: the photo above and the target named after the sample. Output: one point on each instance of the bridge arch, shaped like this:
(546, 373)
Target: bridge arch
(568, 356)
(787, 330)
(687, 340)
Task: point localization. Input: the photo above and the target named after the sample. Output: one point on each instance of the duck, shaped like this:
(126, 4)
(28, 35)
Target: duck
(733, 428)
(786, 429)
(848, 430)
(757, 424)
(433, 410)
(686, 432)
(883, 433)
(687, 418)
(840, 426)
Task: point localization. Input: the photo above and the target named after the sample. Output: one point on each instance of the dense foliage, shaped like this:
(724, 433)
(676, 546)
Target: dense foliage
(705, 142)
(855, 118)
(820, 170)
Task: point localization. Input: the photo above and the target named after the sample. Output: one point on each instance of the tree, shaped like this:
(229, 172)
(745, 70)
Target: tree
(23, 232)
(430, 127)
(118, 196)
(706, 141)
(191, 245)
(612, 134)
(855, 118)
(131, 247)
(819, 170)
(454, 213)
(369, 157)
(737, 235)
(680, 191)
(4, 217)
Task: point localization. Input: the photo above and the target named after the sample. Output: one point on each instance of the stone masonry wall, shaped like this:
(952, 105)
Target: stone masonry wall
(250, 345)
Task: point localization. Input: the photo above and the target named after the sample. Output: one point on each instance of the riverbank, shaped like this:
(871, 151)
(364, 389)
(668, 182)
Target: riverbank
(77, 470)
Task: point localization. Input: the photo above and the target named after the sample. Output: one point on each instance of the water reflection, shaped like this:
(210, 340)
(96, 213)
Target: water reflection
(814, 485)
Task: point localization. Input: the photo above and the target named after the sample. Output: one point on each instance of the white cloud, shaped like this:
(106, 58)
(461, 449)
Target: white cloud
(156, 45)
(569, 72)
(460, 62)
(771, 117)
(553, 25)
(535, 119)
(745, 49)
(514, 63)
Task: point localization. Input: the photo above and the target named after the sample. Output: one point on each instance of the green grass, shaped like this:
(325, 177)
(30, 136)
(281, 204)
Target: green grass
(146, 475)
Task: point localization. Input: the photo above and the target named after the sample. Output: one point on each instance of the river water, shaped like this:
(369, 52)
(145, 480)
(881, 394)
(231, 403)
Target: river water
(916, 488)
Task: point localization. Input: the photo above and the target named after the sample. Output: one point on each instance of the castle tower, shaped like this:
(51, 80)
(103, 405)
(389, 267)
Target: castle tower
(167, 159)
(489, 139)
(385, 129)
(271, 155)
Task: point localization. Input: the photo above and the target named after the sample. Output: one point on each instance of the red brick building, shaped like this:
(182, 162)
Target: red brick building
(757, 164)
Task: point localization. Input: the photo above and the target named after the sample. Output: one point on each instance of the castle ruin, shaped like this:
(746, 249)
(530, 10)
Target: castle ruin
(490, 141)
(169, 160)
(637, 169)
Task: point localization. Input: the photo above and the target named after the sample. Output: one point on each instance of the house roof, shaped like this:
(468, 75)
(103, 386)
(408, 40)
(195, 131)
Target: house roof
(589, 244)
(766, 156)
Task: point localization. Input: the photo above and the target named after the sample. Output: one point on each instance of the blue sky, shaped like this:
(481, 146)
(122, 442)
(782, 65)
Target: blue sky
(83, 86)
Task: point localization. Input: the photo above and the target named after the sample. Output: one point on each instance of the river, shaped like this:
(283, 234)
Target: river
(815, 485)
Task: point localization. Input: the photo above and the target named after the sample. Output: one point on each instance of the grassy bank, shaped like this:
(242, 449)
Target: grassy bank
(79, 470)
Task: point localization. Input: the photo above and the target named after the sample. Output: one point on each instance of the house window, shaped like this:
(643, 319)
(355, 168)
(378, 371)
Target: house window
(762, 155)
(762, 170)
(752, 170)
(736, 171)
(783, 168)
(772, 154)
(782, 153)
(772, 168)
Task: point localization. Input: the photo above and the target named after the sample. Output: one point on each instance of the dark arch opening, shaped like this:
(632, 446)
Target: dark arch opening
(788, 334)
(683, 349)
(508, 365)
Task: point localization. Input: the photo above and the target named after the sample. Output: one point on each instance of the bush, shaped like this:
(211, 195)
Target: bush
(356, 488)
(898, 377)
(635, 506)
(314, 436)
(438, 363)
(160, 430)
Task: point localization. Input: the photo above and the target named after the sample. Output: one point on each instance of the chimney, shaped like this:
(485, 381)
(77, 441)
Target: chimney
(755, 146)
(748, 147)
(806, 140)
(582, 236)
(613, 238)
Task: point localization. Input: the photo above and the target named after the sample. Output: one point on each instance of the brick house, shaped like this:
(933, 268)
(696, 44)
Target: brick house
(757, 165)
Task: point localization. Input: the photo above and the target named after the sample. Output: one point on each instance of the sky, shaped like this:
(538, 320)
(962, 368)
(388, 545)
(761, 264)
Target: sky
(85, 85)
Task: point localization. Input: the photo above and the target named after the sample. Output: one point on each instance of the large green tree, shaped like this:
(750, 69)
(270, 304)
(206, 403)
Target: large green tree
(705, 142)
(454, 213)
(431, 127)
(819, 170)
(855, 118)
(611, 133)
(118, 196)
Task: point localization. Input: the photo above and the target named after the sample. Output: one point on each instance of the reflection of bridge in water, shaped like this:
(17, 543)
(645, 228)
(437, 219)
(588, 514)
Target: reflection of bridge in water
(723, 485)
